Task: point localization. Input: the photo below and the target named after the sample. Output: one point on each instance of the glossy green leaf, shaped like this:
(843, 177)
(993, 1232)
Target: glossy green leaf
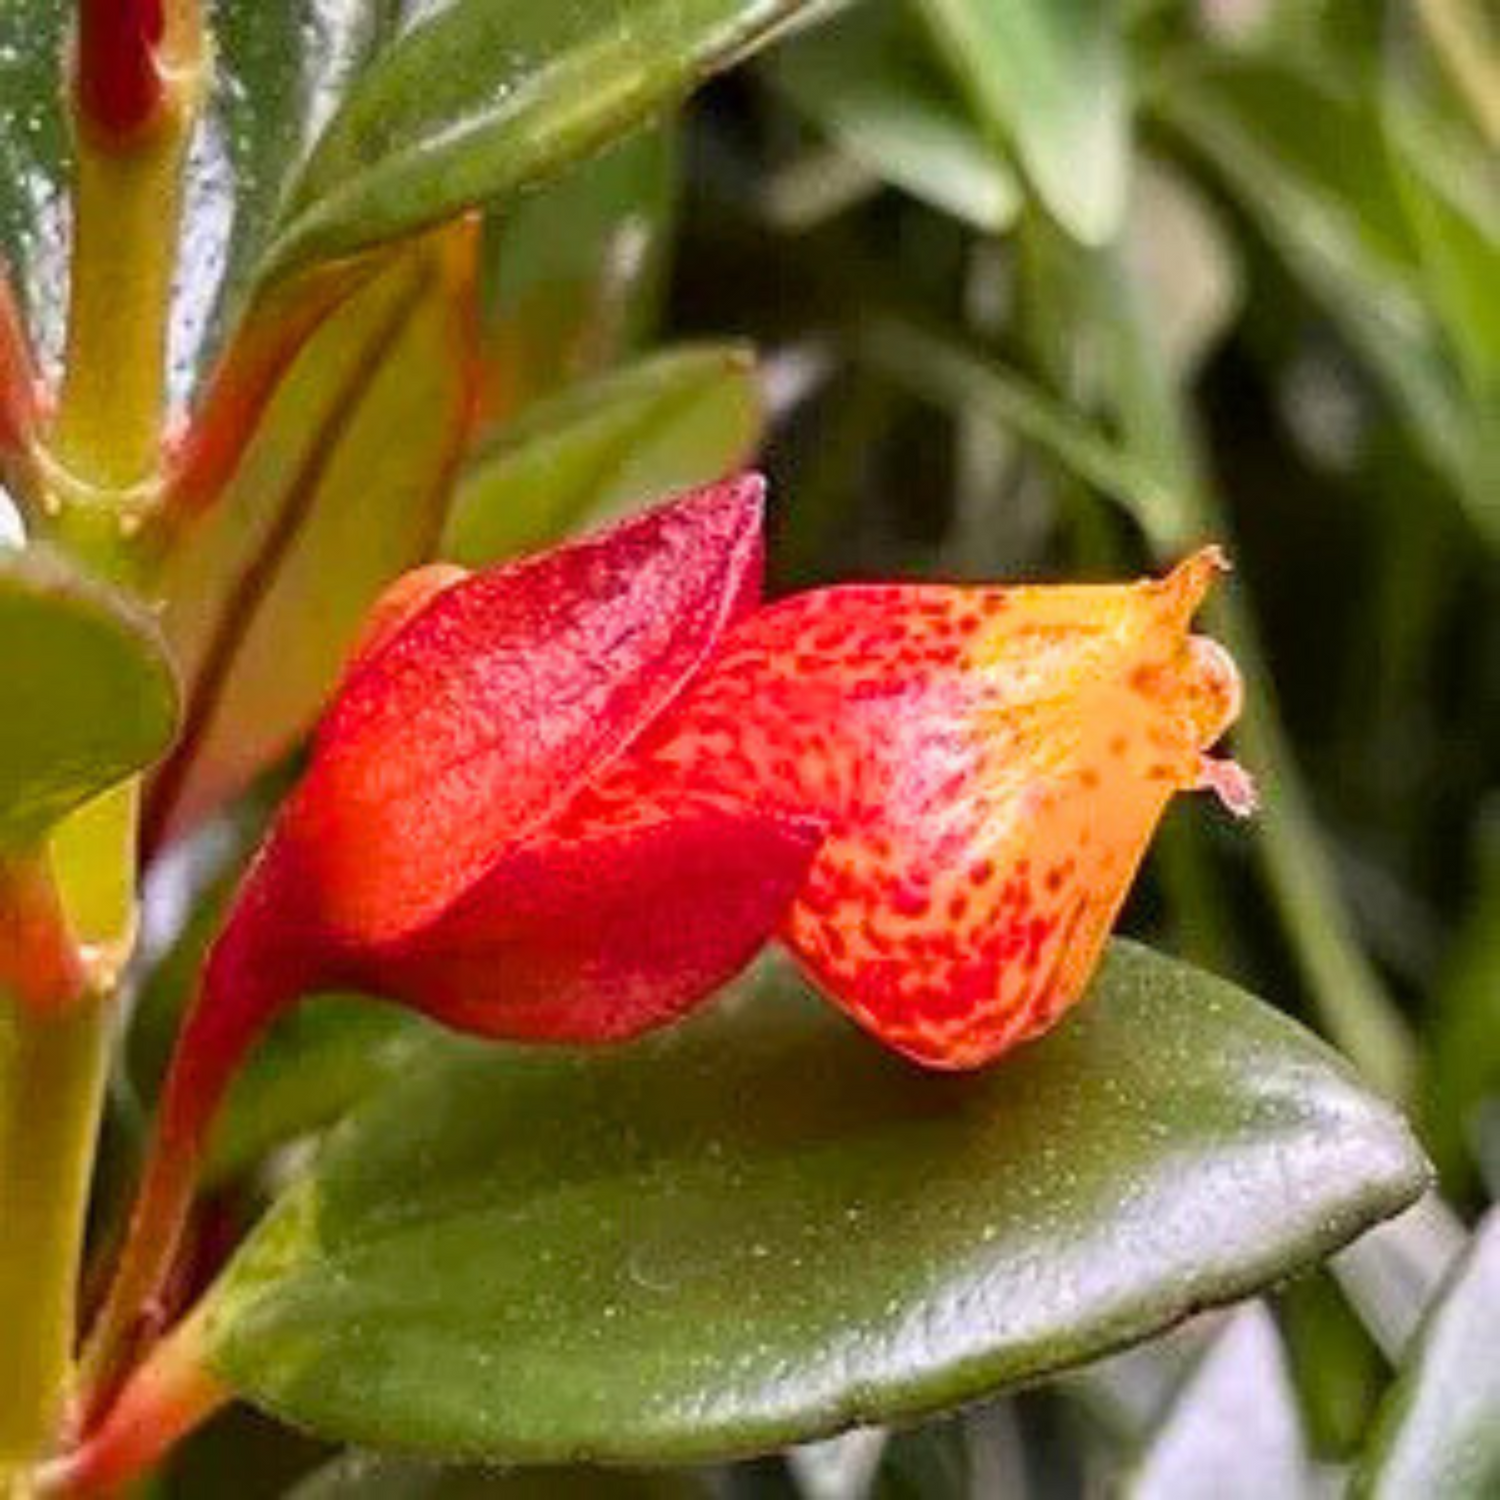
(679, 418)
(87, 695)
(1234, 1429)
(482, 98)
(280, 68)
(1049, 76)
(864, 80)
(695, 1246)
(35, 157)
(1439, 1432)
(574, 272)
(343, 486)
(1308, 159)
(359, 1476)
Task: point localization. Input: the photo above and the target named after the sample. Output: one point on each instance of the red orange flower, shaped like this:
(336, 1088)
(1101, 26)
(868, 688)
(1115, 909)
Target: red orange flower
(568, 798)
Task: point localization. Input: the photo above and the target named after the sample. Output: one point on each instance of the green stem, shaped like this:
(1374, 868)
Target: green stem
(50, 1093)
(103, 449)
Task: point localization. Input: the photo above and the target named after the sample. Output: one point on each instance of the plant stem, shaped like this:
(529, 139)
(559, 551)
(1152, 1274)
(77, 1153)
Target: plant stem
(104, 445)
(98, 471)
(170, 1395)
(51, 1088)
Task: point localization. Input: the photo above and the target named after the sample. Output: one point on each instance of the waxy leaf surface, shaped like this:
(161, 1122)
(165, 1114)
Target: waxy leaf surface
(482, 98)
(678, 419)
(761, 1227)
(87, 695)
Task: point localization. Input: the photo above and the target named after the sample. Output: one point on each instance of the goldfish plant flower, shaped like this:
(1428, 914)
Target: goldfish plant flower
(567, 798)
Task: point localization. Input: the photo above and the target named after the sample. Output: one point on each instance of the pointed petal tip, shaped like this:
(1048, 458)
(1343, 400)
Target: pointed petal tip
(1231, 783)
(1188, 584)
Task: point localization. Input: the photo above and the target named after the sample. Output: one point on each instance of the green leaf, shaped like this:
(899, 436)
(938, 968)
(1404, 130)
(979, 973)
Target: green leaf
(359, 1476)
(87, 695)
(677, 419)
(574, 271)
(864, 80)
(1234, 1429)
(1049, 76)
(343, 486)
(35, 162)
(1438, 1434)
(761, 1227)
(1308, 160)
(279, 67)
(482, 98)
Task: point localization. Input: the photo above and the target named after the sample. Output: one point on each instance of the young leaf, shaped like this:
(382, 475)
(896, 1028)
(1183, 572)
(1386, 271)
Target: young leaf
(87, 695)
(1307, 159)
(1048, 76)
(1439, 1431)
(343, 486)
(694, 1247)
(35, 160)
(864, 80)
(676, 420)
(482, 98)
(280, 66)
(573, 273)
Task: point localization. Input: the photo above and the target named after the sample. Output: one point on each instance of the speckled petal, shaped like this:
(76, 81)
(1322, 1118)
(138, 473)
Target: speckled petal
(479, 706)
(991, 764)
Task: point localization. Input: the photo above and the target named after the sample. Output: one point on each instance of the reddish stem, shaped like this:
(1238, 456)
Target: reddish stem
(251, 976)
(39, 963)
(18, 375)
(119, 83)
(171, 1395)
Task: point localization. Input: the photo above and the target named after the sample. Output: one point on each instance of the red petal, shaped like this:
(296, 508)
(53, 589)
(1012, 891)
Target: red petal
(617, 920)
(991, 764)
(503, 694)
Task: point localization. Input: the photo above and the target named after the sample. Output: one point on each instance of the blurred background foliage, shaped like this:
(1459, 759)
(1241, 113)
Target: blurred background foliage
(1053, 289)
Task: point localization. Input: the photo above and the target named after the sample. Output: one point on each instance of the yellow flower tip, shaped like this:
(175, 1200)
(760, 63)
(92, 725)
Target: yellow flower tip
(1184, 589)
